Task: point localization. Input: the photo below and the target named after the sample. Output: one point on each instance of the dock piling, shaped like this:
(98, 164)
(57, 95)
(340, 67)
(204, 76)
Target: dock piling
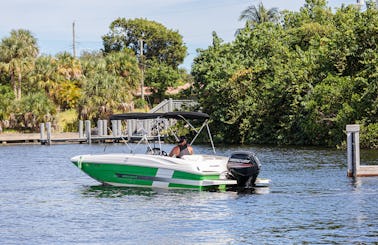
(353, 149)
(48, 128)
(42, 132)
(105, 127)
(355, 169)
(100, 127)
(81, 126)
(88, 131)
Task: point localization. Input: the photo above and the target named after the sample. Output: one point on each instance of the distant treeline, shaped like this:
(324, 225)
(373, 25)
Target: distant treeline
(33, 88)
(288, 78)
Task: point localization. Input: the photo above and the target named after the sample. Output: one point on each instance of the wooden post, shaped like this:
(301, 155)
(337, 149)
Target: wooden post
(130, 128)
(353, 149)
(88, 131)
(119, 127)
(42, 132)
(114, 128)
(170, 105)
(105, 127)
(99, 127)
(81, 125)
(48, 127)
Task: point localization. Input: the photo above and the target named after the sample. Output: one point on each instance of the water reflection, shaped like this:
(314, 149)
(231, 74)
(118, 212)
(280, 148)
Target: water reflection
(356, 183)
(103, 191)
(106, 191)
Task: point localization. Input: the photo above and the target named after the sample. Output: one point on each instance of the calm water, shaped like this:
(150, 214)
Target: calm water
(44, 199)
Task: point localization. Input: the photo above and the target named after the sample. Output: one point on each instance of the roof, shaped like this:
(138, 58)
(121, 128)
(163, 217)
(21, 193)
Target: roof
(173, 115)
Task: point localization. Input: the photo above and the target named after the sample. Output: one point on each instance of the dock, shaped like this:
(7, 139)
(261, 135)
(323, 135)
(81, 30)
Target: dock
(35, 138)
(355, 169)
(103, 132)
(64, 138)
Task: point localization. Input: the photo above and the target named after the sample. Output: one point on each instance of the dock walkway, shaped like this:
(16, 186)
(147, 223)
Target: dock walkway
(63, 138)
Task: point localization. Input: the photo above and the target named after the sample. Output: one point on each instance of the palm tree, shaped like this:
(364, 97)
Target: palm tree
(256, 15)
(18, 52)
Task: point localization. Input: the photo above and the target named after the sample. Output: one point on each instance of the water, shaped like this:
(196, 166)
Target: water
(44, 199)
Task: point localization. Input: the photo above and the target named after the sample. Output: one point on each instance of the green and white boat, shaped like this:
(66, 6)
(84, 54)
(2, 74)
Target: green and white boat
(156, 169)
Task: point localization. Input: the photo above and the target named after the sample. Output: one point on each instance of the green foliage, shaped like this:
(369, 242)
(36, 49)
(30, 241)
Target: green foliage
(369, 136)
(140, 103)
(30, 111)
(6, 98)
(296, 83)
(60, 77)
(17, 56)
(256, 15)
(159, 43)
(160, 76)
(108, 84)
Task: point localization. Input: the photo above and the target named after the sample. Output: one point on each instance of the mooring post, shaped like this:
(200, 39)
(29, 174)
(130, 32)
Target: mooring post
(81, 125)
(88, 131)
(130, 128)
(105, 127)
(42, 133)
(48, 128)
(114, 128)
(170, 105)
(99, 127)
(119, 127)
(353, 149)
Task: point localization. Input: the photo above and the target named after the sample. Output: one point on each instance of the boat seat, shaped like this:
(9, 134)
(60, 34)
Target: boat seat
(155, 151)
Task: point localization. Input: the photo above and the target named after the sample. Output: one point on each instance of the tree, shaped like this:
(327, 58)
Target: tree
(296, 83)
(61, 77)
(18, 52)
(159, 43)
(159, 77)
(109, 84)
(256, 15)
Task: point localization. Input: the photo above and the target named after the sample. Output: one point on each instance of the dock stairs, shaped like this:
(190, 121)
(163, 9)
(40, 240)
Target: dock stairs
(149, 127)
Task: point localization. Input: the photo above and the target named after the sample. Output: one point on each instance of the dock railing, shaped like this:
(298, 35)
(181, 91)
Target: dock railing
(114, 130)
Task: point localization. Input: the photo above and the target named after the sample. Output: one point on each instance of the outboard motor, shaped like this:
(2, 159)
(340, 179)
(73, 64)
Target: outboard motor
(244, 167)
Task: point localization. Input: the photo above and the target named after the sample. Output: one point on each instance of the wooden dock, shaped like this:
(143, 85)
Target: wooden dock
(367, 171)
(64, 138)
(355, 169)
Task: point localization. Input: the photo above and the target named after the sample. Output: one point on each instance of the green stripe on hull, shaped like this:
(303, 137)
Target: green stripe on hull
(119, 173)
(190, 176)
(128, 175)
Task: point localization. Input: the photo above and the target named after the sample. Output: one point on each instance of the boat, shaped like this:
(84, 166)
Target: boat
(155, 168)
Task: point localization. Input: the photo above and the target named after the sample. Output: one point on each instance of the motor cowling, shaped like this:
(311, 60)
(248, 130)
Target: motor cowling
(244, 167)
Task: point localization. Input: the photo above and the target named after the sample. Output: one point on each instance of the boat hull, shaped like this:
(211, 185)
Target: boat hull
(132, 170)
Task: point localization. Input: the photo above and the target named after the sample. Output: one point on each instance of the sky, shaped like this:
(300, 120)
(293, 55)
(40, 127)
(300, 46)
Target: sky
(50, 21)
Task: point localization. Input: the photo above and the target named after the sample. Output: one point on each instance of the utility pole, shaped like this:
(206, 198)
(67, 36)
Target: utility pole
(73, 40)
(142, 68)
(360, 2)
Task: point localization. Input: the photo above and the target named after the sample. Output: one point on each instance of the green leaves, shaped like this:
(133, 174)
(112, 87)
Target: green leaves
(159, 77)
(108, 84)
(296, 83)
(159, 43)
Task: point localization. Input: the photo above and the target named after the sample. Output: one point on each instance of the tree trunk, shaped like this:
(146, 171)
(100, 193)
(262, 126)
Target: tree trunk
(19, 87)
(13, 82)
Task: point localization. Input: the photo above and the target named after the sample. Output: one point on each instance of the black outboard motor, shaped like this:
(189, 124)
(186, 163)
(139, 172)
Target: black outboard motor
(244, 167)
